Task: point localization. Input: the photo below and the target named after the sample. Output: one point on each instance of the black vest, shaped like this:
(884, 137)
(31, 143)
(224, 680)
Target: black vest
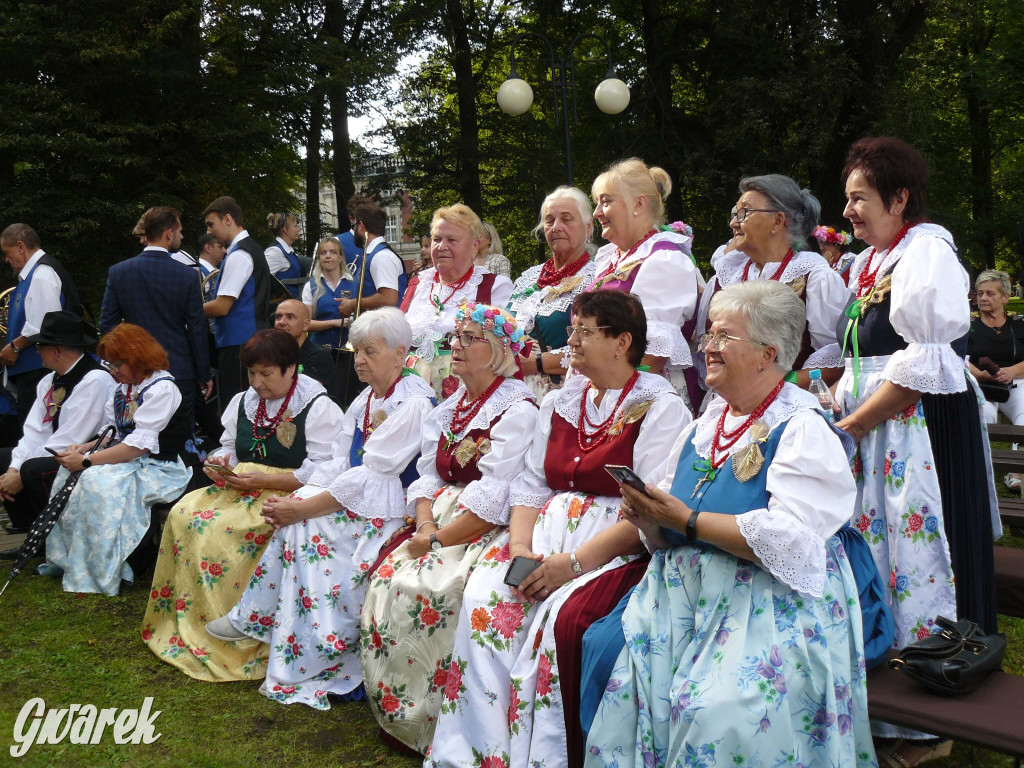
(69, 381)
(72, 303)
(261, 282)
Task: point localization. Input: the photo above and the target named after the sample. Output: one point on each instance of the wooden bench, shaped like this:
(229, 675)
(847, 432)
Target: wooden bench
(988, 717)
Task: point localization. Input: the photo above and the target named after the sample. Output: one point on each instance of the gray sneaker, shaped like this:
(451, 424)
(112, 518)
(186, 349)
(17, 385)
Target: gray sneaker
(223, 629)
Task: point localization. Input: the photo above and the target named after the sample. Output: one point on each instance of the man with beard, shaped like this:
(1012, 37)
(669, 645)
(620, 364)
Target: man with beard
(163, 296)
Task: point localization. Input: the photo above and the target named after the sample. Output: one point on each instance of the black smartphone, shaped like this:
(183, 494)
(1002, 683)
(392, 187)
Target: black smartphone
(51, 451)
(626, 476)
(520, 568)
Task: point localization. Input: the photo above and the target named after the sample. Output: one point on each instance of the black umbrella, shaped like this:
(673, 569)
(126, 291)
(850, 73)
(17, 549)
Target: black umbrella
(47, 518)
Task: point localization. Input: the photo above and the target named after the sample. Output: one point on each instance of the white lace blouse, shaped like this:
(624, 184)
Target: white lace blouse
(811, 490)
(510, 439)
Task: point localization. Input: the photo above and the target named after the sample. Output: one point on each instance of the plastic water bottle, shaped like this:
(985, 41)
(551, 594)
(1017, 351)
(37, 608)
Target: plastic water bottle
(819, 389)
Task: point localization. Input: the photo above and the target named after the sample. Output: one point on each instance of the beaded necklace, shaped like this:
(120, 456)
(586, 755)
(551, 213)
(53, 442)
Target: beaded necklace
(368, 429)
(454, 288)
(614, 266)
(866, 281)
(778, 272)
(260, 421)
(713, 463)
(551, 276)
(588, 441)
(464, 412)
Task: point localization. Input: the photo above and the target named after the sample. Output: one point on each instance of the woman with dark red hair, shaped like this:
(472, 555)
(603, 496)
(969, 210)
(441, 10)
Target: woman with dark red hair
(100, 539)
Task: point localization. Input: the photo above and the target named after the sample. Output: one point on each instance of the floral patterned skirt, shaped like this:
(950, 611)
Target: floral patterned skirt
(211, 545)
(304, 598)
(724, 664)
(106, 518)
(437, 373)
(408, 628)
(502, 698)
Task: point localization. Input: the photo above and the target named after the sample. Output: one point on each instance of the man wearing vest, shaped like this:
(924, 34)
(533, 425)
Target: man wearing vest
(242, 306)
(162, 295)
(384, 278)
(68, 410)
(43, 286)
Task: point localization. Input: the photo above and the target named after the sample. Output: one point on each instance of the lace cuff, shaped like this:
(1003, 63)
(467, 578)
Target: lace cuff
(828, 356)
(369, 494)
(566, 357)
(144, 439)
(932, 368)
(306, 469)
(322, 475)
(666, 340)
(487, 498)
(423, 487)
(786, 548)
(528, 490)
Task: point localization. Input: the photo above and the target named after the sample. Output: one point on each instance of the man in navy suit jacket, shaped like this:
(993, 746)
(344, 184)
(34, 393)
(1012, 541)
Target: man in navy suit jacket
(163, 296)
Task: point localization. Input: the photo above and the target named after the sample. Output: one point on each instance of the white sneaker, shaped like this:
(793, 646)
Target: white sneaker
(223, 629)
(1012, 482)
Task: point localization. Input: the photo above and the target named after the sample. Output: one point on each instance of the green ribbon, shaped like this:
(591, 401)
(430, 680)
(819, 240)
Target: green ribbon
(792, 377)
(853, 313)
(644, 368)
(704, 465)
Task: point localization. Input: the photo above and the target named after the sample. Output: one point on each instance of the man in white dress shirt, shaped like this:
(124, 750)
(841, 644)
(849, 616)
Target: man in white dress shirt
(386, 271)
(43, 286)
(68, 410)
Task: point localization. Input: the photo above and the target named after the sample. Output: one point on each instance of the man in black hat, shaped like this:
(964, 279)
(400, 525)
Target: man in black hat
(68, 410)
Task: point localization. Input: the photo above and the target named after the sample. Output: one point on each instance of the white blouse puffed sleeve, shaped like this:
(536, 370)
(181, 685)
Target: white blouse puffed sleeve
(322, 475)
(323, 423)
(929, 309)
(812, 494)
(530, 487)
(666, 284)
(160, 401)
(429, 481)
(374, 489)
(501, 291)
(229, 420)
(511, 438)
(826, 298)
(659, 431)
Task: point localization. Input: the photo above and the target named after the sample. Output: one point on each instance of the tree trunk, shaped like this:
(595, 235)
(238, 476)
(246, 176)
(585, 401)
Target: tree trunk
(468, 172)
(314, 165)
(344, 184)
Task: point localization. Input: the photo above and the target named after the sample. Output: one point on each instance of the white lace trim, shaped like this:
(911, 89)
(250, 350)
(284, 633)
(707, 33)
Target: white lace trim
(566, 357)
(607, 254)
(890, 258)
(423, 487)
(666, 340)
(508, 394)
(932, 368)
(546, 301)
(144, 440)
(369, 494)
(827, 357)
(306, 468)
(528, 490)
(428, 326)
(305, 391)
(729, 267)
(791, 400)
(407, 388)
(567, 405)
(322, 475)
(487, 498)
(790, 551)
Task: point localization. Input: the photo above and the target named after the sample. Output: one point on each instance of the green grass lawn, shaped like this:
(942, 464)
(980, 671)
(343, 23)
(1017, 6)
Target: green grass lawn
(85, 649)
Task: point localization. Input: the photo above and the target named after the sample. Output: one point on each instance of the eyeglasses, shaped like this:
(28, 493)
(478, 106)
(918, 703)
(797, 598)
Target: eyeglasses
(109, 366)
(740, 214)
(716, 343)
(465, 338)
(582, 332)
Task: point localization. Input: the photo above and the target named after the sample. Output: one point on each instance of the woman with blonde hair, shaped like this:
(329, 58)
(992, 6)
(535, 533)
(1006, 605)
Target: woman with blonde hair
(330, 282)
(491, 256)
(436, 292)
(649, 260)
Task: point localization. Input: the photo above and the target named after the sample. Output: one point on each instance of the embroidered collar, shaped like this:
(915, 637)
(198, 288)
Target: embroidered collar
(407, 388)
(647, 388)
(791, 400)
(890, 259)
(529, 302)
(305, 391)
(729, 267)
(608, 253)
(508, 394)
(429, 327)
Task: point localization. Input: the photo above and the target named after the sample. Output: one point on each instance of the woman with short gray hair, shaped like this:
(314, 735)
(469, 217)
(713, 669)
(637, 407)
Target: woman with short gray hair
(995, 351)
(771, 222)
(775, 317)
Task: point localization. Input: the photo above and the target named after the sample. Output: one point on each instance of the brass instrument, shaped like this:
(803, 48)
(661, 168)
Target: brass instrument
(5, 305)
(209, 285)
(359, 301)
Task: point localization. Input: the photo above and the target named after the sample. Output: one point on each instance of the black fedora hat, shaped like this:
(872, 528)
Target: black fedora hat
(62, 329)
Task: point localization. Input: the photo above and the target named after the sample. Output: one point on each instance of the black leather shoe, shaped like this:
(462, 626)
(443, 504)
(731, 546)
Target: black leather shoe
(10, 554)
(15, 530)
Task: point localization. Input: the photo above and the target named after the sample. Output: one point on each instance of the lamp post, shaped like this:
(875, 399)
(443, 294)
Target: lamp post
(515, 96)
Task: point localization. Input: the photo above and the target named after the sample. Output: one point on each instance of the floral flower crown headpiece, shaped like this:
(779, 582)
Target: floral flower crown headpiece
(830, 235)
(500, 323)
(679, 227)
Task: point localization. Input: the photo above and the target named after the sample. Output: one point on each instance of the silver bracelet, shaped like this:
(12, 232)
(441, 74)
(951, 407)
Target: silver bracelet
(426, 522)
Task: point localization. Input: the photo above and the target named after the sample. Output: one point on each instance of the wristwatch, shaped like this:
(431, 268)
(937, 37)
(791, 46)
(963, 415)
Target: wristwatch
(86, 463)
(691, 526)
(14, 346)
(576, 567)
(435, 545)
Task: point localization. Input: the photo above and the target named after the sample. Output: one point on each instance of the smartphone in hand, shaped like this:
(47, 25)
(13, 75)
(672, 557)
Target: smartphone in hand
(219, 470)
(626, 476)
(520, 568)
(51, 451)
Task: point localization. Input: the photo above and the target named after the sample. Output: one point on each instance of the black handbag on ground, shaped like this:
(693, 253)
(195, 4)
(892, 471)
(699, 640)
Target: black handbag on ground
(954, 661)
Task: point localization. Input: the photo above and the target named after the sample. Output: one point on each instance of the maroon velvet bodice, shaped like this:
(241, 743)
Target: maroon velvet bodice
(567, 468)
(449, 468)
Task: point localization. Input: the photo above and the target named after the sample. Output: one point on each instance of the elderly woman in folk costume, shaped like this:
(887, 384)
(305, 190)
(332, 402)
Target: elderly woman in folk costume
(435, 294)
(303, 600)
(771, 221)
(276, 433)
(543, 295)
(565, 515)
(474, 445)
(743, 642)
(649, 260)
